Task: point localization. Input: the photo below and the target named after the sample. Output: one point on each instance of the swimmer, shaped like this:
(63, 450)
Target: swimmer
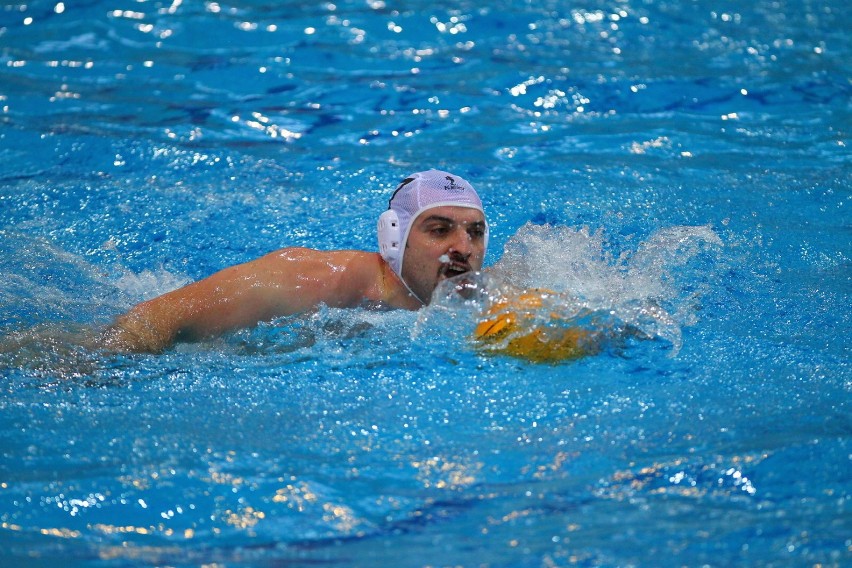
(434, 229)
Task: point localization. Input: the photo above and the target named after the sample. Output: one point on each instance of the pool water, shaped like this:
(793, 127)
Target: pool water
(679, 170)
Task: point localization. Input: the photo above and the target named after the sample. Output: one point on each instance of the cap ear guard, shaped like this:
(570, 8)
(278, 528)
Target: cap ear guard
(390, 235)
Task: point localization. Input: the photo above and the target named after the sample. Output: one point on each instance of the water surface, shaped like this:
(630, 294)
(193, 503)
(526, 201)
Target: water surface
(686, 156)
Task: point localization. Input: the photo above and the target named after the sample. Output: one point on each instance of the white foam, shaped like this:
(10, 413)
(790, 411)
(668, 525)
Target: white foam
(149, 284)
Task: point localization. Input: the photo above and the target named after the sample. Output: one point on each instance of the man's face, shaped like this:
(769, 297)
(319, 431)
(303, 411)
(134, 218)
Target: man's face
(443, 242)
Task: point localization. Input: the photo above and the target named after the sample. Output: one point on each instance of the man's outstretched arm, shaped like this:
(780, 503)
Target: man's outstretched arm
(282, 283)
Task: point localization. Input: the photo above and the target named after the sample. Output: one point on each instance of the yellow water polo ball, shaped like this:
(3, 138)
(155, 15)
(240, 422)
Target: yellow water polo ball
(507, 327)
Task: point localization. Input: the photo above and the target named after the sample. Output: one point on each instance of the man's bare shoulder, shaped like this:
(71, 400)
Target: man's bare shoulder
(333, 259)
(336, 277)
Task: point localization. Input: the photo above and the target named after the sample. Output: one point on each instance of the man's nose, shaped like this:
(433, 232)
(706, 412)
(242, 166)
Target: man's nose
(462, 243)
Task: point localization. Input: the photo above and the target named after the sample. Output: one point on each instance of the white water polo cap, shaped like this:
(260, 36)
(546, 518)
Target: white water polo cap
(417, 193)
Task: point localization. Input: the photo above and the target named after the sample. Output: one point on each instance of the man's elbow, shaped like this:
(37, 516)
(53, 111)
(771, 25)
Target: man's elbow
(137, 332)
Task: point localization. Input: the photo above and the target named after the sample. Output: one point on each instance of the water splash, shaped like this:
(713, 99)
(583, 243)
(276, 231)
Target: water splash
(54, 304)
(650, 292)
(149, 283)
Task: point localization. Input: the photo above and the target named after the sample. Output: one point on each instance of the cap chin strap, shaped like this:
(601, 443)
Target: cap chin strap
(410, 291)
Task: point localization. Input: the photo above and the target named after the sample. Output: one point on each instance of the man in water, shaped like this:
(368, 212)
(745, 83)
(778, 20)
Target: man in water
(434, 229)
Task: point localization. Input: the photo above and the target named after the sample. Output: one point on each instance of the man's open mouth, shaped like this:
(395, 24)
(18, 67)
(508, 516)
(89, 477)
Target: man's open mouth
(452, 269)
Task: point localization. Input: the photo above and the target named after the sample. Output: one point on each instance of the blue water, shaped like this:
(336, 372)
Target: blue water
(681, 169)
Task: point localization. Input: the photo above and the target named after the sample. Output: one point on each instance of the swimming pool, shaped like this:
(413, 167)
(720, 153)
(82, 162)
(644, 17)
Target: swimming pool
(687, 156)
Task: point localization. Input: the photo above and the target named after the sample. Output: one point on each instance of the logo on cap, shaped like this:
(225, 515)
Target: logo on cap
(452, 185)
